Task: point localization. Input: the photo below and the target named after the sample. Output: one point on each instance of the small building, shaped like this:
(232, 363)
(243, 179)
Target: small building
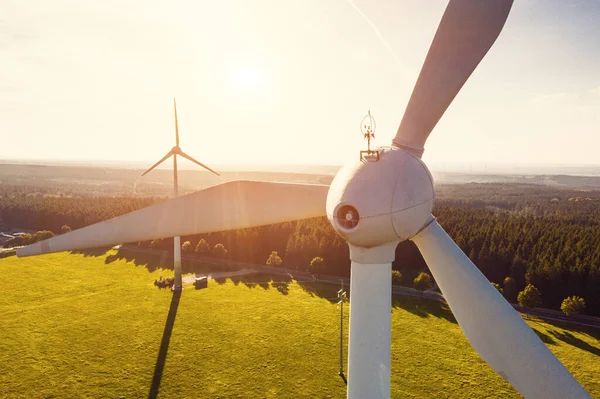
(201, 282)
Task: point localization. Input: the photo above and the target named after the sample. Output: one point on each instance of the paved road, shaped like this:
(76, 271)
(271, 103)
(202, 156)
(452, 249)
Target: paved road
(546, 314)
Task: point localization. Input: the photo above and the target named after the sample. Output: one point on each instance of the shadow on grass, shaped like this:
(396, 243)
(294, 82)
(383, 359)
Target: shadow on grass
(164, 346)
(91, 251)
(343, 376)
(322, 290)
(265, 281)
(151, 261)
(423, 307)
(567, 337)
(570, 339)
(280, 281)
(281, 286)
(547, 339)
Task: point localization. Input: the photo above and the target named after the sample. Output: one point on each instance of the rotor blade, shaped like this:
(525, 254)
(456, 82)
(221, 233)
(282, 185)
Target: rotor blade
(186, 156)
(176, 123)
(159, 162)
(466, 32)
(232, 205)
(494, 329)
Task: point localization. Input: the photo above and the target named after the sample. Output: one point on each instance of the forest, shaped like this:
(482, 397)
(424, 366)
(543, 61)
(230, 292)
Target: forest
(545, 236)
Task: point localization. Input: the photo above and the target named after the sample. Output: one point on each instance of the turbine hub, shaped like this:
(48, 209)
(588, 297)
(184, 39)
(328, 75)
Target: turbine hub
(381, 203)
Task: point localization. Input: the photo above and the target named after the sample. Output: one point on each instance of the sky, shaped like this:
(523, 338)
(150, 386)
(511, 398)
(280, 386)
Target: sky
(287, 81)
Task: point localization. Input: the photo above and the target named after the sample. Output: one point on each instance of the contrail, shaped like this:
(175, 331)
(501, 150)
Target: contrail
(379, 35)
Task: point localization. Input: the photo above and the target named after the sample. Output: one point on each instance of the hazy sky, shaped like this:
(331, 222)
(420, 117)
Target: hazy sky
(287, 81)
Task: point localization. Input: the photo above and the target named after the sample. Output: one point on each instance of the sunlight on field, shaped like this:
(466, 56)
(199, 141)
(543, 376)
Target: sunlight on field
(91, 326)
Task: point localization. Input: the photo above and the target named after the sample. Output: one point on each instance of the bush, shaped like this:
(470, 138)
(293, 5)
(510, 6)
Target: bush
(510, 289)
(219, 250)
(396, 277)
(26, 239)
(423, 281)
(274, 259)
(65, 229)
(202, 247)
(573, 305)
(530, 297)
(18, 241)
(42, 235)
(187, 247)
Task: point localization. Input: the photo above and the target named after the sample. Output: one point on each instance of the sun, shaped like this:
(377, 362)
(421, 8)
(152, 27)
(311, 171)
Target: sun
(248, 85)
(246, 76)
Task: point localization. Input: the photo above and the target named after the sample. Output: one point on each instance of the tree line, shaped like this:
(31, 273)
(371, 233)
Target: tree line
(546, 237)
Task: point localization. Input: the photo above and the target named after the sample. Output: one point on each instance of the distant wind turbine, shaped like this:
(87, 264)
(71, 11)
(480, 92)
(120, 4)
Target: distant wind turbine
(174, 152)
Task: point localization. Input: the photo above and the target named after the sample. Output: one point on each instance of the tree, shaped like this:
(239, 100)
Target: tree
(530, 297)
(423, 281)
(202, 247)
(317, 265)
(24, 239)
(42, 235)
(396, 277)
(65, 229)
(497, 286)
(155, 244)
(186, 247)
(219, 250)
(573, 305)
(274, 259)
(510, 289)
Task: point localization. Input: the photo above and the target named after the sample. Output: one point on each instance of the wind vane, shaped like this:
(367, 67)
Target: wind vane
(367, 128)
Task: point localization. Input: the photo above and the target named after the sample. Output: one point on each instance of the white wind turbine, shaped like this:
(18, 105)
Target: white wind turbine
(375, 205)
(178, 285)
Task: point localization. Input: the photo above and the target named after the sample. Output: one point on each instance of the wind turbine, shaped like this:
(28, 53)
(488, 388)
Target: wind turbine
(178, 285)
(375, 204)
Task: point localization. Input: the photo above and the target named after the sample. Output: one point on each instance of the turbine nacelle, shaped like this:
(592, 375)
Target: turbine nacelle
(375, 205)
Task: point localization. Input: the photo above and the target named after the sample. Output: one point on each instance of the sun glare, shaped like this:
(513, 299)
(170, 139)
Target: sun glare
(248, 85)
(246, 76)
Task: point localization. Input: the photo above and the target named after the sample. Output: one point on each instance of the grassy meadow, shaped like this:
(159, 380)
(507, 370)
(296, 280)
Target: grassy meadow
(93, 325)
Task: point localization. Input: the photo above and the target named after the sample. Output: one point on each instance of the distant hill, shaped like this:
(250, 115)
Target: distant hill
(565, 181)
(80, 179)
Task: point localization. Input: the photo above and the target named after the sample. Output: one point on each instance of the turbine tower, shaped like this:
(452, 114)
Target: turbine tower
(178, 285)
(374, 204)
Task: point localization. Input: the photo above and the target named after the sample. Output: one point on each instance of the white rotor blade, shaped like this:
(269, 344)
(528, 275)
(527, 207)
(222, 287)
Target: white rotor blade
(159, 162)
(186, 156)
(232, 205)
(176, 123)
(494, 329)
(466, 32)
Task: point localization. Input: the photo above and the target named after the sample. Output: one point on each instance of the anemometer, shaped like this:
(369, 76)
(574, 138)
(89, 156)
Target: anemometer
(367, 128)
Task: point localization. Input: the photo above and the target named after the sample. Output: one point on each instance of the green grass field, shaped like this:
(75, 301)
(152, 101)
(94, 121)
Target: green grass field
(91, 326)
